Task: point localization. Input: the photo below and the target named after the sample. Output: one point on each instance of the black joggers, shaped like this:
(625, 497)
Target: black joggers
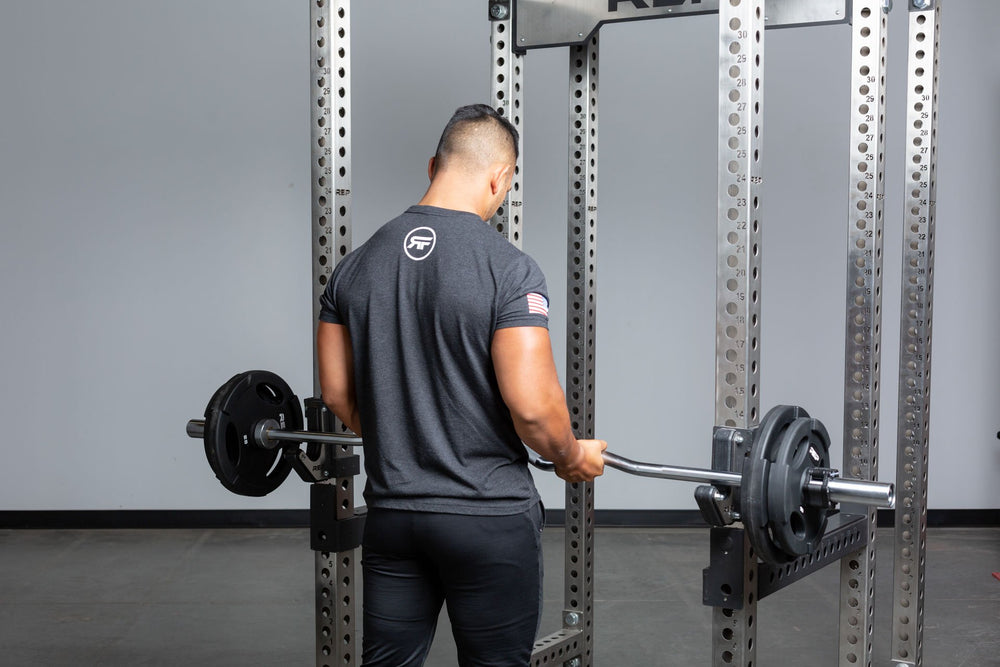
(487, 569)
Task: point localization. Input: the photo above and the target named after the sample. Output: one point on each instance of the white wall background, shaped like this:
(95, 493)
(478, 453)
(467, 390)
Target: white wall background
(154, 229)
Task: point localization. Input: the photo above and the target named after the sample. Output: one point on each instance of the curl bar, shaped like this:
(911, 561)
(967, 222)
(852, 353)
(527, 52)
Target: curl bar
(267, 434)
(878, 494)
(780, 486)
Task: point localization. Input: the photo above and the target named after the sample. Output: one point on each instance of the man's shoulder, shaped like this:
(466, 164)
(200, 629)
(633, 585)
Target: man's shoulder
(383, 235)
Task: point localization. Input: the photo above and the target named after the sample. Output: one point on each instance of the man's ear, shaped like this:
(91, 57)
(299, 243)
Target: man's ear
(500, 177)
(431, 168)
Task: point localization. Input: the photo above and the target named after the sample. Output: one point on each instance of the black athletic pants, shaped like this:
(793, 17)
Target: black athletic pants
(487, 569)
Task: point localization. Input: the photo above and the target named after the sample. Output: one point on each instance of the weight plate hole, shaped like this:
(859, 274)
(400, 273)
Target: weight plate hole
(232, 444)
(797, 524)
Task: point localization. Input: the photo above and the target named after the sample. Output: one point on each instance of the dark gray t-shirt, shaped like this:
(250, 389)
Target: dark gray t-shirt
(421, 300)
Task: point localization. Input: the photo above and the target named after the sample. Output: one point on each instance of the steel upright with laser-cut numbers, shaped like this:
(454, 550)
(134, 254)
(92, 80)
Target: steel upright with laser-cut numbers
(505, 93)
(863, 338)
(581, 334)
(913, 415)
(336, 573)
(738, 283)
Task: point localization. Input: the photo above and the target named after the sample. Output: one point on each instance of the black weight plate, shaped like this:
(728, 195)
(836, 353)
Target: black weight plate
(756, 476)
(796, 527)
(234, 410)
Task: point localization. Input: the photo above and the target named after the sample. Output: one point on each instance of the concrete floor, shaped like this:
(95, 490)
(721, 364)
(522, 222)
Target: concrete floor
(245, 597)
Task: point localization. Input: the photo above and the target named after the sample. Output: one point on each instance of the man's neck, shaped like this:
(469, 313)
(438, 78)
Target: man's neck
(452, 196)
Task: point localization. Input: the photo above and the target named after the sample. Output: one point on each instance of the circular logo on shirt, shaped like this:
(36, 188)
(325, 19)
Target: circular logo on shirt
(419, 243)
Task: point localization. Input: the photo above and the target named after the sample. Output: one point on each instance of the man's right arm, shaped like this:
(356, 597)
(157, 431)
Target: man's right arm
(529, 384)
(336, 373)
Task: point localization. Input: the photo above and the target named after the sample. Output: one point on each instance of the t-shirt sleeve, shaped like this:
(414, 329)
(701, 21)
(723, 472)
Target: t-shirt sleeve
(523, 300)
(328, 311)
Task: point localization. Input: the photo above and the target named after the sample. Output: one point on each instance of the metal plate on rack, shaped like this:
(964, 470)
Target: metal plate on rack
(545, 23)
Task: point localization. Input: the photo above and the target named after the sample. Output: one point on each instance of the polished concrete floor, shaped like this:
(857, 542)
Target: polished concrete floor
(245, 597)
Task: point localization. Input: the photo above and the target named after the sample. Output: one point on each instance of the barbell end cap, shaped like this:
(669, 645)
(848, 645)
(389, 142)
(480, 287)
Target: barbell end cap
(196, 428)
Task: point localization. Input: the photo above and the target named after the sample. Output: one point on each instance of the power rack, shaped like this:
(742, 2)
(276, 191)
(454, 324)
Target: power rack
(518, 26)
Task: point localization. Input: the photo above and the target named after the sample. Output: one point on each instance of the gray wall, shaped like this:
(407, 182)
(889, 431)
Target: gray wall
(154, 212)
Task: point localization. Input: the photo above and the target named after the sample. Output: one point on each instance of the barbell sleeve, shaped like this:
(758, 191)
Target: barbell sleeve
(875, 494)
(195, 428)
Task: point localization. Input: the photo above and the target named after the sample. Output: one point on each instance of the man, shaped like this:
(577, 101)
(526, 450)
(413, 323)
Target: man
(433, 346)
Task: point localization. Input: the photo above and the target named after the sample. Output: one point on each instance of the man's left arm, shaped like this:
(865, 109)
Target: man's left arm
(336, 373)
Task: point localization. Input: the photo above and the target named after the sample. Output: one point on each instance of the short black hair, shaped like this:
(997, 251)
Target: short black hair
(473, 115)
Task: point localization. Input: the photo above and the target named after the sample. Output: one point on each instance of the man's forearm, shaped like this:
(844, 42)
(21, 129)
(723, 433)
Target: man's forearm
(550, 435)
(346, 410)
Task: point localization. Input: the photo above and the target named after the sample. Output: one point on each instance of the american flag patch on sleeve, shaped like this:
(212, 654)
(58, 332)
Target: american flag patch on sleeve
(538, 304)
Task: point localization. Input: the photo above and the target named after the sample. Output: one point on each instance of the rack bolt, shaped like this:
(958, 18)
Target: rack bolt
(571, 619)
(499, 11)
(575, 662)
(921, 4)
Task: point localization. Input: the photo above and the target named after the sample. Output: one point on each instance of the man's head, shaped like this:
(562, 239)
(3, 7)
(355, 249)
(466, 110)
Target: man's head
(476, 138)
(475, 162)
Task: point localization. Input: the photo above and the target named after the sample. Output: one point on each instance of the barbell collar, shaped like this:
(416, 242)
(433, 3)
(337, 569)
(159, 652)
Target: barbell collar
(260, 433)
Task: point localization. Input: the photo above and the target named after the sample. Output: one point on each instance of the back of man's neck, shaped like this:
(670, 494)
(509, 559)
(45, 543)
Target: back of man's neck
(448, 201)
